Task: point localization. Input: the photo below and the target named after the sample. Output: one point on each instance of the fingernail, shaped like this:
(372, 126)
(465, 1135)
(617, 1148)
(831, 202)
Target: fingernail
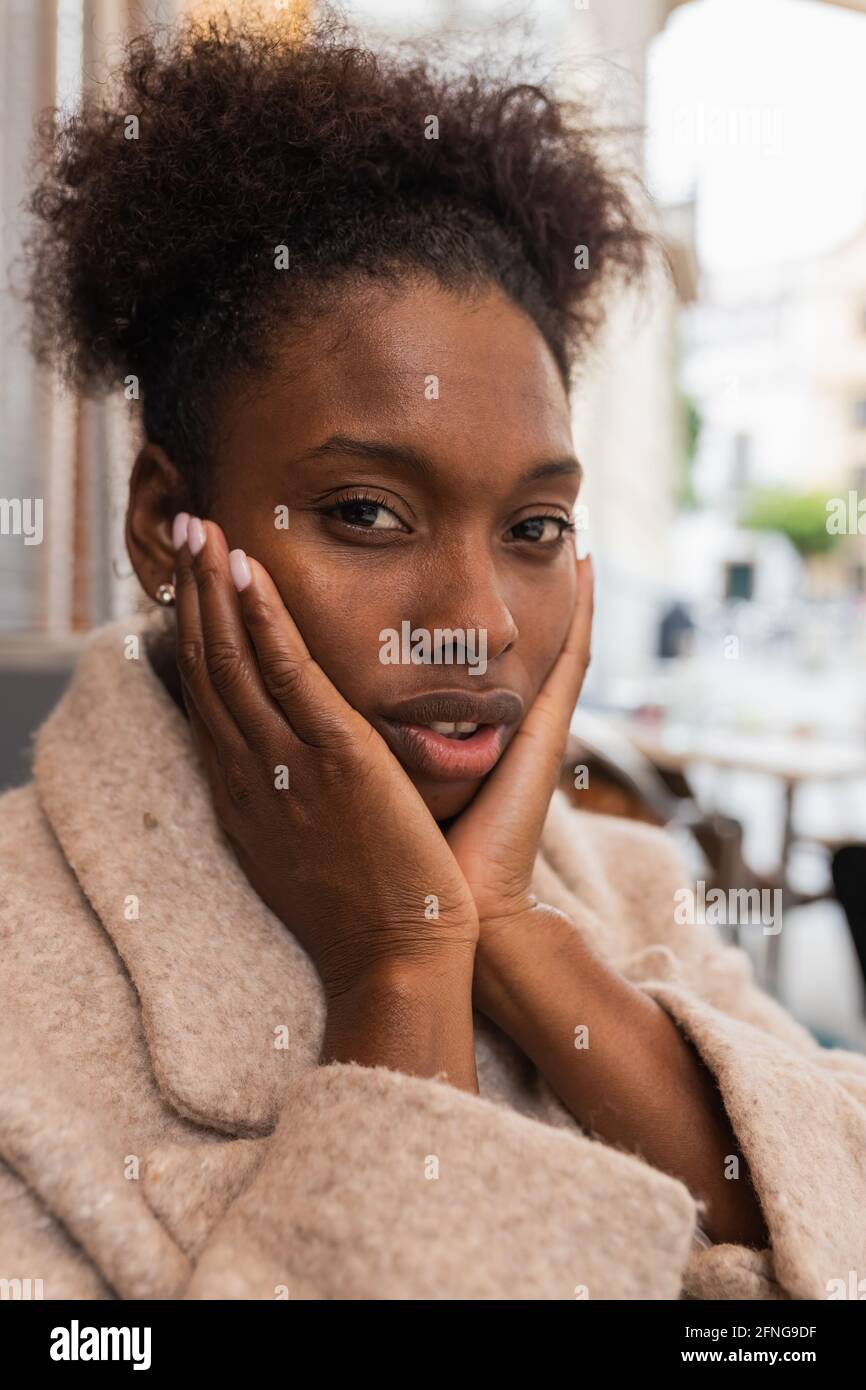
(581, 542)
(240, 569)
(179, 529)
(195, 535)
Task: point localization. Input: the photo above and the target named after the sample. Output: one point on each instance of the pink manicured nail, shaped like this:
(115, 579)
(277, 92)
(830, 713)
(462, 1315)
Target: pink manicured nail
(240, 569)
(179, 529)
(195, 535)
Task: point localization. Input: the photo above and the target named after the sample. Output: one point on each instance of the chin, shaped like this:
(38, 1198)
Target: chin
(445, 800)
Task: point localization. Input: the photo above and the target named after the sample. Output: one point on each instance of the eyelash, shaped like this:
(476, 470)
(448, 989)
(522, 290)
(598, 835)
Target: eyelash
(353, 498)
(565, 527)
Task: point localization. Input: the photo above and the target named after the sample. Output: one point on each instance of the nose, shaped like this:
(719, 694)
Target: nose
(465, 592)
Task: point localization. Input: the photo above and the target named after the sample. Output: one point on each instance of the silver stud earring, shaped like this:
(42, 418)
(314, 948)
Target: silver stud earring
(165, 594)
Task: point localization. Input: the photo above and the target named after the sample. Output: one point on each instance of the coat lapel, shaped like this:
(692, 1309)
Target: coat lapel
(231, 1004)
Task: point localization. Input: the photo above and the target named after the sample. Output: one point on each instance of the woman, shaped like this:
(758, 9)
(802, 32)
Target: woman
(312, 987)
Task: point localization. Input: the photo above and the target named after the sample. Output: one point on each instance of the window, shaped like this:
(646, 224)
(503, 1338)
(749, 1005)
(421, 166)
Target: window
(739, 580)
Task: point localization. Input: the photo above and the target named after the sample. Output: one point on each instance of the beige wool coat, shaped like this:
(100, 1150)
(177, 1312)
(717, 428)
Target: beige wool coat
(166, 1132)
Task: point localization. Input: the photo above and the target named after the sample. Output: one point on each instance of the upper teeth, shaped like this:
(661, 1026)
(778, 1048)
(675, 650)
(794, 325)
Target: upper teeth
(449, 730)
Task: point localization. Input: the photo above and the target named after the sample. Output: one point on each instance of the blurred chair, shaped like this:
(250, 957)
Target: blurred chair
(848, 867)
(622, 781)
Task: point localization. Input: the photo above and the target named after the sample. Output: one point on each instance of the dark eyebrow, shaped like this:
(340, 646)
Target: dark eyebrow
(567, 467)
(375, 450)
(414, 459)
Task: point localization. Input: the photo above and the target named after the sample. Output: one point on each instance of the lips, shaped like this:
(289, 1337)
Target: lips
(458, 706)
(452, 736)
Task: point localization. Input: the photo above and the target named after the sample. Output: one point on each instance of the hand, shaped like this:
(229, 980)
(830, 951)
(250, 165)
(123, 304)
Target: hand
(495, 840)
(339, 844)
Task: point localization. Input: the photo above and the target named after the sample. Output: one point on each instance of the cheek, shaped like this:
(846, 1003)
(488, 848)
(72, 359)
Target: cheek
(543, 615)
(338, 616)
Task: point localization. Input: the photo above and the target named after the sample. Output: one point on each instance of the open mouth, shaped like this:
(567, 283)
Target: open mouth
(461, 731)
(464, 747)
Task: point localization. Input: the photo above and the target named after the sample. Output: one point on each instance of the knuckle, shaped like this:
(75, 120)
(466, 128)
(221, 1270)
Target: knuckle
(224, 663)
(284, 675)
(208, 576)
(257, 611)
(345, 745)
(190, 658)
(237, 784)
(184, 578)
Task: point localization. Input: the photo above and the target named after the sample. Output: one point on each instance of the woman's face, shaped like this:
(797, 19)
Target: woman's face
(409, 470)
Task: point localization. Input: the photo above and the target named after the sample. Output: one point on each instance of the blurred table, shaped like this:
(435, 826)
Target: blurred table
(793, 760)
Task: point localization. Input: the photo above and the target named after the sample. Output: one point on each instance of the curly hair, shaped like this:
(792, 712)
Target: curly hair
(160, 206)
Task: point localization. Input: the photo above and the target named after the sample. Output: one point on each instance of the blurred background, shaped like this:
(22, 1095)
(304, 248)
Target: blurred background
(721, 422)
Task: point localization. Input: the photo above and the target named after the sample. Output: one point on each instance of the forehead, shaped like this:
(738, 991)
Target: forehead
(465, 376)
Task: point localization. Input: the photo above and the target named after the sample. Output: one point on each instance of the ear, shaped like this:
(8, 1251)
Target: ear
(157, 492)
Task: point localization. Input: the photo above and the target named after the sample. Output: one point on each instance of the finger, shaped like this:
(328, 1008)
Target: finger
(229, 656)
(202, 737)
(529, 771)
(225, 777)
(312, 705)
(559, 693)
(192, 668)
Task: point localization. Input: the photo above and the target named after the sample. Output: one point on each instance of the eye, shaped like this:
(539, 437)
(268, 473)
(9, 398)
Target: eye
(365, 514)
(542, 530)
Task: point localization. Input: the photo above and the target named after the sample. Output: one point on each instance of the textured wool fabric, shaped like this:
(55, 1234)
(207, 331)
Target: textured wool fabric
(166, 1132)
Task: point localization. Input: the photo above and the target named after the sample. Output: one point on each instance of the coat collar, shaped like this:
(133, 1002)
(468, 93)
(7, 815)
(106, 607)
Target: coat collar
(231, 1004)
